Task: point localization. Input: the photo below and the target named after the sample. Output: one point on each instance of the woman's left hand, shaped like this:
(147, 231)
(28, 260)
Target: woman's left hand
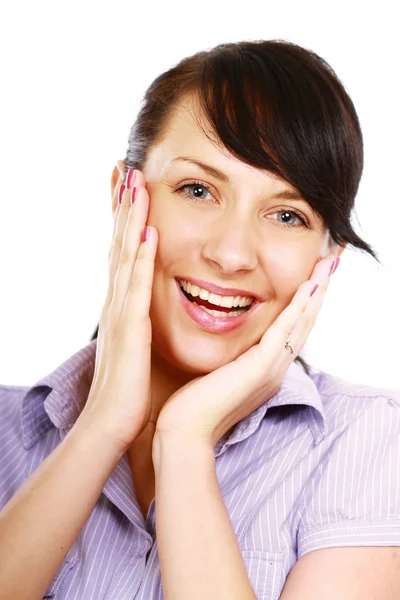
(209, 405)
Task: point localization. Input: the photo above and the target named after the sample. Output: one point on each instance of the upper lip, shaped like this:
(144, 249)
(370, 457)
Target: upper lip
(221, 291)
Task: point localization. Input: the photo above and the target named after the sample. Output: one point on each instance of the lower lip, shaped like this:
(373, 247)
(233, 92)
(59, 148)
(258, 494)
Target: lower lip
(210, 323)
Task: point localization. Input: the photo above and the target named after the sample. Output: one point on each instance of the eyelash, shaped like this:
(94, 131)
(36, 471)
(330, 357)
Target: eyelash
(182, 188)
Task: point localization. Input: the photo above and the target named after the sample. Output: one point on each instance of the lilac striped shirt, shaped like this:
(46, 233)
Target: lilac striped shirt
(316, 466)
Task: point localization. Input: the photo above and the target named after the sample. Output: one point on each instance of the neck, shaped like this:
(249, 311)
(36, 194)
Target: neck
(166, 379)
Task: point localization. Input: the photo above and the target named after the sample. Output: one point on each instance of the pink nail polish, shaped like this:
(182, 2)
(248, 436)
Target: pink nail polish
(332, 267)
(146, 232)
(336, 265)
(314, 290)
(121, 193)
(130, 178)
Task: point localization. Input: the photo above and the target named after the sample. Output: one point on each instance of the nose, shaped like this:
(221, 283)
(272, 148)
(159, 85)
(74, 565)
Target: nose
(230, 246)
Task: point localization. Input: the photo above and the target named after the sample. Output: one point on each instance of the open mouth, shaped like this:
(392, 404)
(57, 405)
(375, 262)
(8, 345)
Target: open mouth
(213, 307)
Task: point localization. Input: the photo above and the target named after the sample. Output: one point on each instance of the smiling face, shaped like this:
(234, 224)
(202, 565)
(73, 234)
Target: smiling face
(231, 230)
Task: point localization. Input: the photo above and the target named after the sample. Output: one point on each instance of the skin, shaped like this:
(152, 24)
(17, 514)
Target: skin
(236, 237)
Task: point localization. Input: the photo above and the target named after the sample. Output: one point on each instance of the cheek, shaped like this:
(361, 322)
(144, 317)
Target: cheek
(284, 262)
(287, 267)
(177, 232)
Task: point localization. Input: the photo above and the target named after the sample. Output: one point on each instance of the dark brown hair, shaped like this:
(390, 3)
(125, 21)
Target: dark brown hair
(275, 106)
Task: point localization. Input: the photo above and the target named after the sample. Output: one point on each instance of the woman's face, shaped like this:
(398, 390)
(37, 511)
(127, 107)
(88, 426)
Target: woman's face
(233, 235)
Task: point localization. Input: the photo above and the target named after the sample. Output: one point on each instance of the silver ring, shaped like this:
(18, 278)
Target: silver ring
(289, 345)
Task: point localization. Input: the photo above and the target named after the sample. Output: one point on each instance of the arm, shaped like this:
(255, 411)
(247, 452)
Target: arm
(199, 554)
(200, 557)
(353, 573)
(44, 517)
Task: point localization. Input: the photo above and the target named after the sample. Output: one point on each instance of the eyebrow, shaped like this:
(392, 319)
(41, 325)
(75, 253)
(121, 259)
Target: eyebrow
(284, 195)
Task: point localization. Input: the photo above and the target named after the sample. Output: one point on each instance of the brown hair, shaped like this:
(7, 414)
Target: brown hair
(275, 106)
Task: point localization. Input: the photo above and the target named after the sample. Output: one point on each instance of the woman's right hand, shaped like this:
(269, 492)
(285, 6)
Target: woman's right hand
(119, 399)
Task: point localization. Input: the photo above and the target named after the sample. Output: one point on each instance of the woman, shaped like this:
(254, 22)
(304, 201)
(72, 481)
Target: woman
(184, 453)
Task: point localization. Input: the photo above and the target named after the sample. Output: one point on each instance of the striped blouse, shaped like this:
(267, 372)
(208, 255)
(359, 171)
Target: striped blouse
(316, 466)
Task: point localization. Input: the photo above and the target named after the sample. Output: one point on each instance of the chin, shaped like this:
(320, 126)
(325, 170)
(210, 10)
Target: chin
(193, 356)
(200, 365)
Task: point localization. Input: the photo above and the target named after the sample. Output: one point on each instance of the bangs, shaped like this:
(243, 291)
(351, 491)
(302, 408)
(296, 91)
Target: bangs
(278, 115)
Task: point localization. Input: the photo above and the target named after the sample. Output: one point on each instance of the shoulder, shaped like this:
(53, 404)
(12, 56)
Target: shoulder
(358, 418)
(12, 451)
(11, 398)
(347, 403)
(329, 384)
(352, 495)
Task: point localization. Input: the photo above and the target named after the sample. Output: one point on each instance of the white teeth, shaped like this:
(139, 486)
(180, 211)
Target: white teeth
(203, 293)
(214, 299)
(193, 289)
(220, 313)
(225, 301)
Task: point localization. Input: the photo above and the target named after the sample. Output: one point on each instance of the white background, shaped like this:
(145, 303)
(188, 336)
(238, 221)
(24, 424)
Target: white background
(72, 79)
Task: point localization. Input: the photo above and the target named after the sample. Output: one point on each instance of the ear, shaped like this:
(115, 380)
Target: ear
(333, 248)
(117, 177)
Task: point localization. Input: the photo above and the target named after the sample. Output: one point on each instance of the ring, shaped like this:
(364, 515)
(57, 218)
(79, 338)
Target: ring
(289, 345)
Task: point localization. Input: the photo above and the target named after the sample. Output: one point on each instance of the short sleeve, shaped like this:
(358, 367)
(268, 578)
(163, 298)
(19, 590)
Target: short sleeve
(12, 454)
(353, 497)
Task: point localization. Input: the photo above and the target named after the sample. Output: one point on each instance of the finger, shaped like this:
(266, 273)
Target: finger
(302, 330)
(117, 193)
(136, 309)
(120, 217)
(135, 222)
(296, 312)
(123, 169)
(121, 221)
(139, 181)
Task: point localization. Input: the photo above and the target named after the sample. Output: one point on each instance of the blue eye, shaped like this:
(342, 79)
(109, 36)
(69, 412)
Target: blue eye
(291, 212)
(197, 185)
(205, 189)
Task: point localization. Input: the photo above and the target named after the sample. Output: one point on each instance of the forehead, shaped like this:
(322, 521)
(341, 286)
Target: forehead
(189, 134)
(187, 130)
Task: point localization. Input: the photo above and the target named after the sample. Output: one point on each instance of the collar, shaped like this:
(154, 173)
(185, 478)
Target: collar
(58, 399)
(297, 388)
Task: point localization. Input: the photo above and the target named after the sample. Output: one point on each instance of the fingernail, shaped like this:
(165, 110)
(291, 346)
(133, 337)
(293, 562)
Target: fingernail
(314, 290)
(130, 178)
(332, 267)
(121, 192)
(146, 232)
(133, 195)
(336, 265)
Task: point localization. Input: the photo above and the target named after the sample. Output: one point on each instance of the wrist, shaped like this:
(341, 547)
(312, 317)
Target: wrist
(89, 426)
(182, 448)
